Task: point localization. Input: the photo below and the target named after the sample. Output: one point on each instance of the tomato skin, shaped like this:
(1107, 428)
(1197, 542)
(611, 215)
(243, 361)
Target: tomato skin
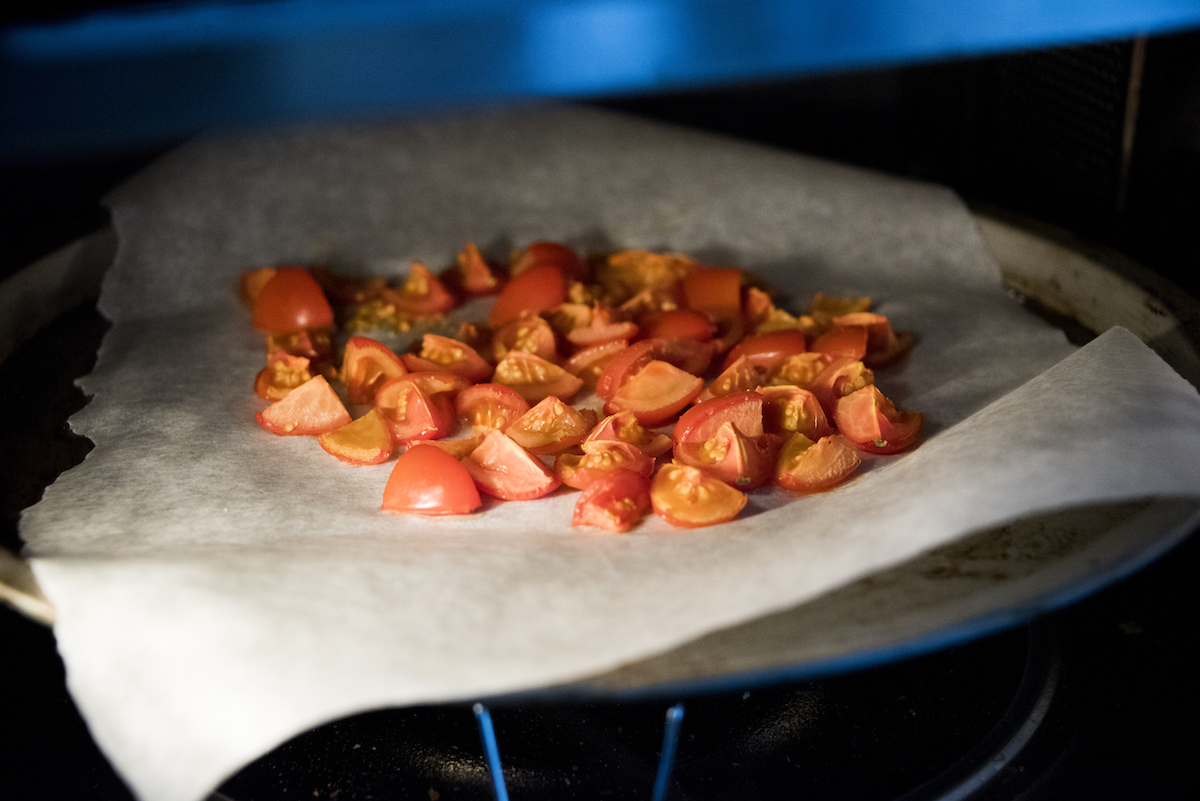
(699, 423)
(366, 366)
(678, 324)
(292, 300)
(840, 377)
(690, 355)
(600, 456)
(538, 289)
(715, 290)
(615, 501)
(657, 393)
(538, 254)
(624, 366)
(738, 460)
(502, 468)
(807, 466)
(768, 349)
(412, 412)
(311, 408)
(528, 333)
(843, 340)
(428, 481)
(873, 423)
(473, 275)
(457, 357)
(590, 362)
(790, 409)
(685, 497)
(490, 406)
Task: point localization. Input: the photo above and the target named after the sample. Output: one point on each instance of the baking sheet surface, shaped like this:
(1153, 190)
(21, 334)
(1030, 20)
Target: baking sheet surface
(220, 589)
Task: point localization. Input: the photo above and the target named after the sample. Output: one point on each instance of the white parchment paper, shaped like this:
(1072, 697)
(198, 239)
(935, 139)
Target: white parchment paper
(220, 589)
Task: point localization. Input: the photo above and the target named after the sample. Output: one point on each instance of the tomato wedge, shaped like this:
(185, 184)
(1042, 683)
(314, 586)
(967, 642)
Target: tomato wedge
(490, 406)
(624, 427)
(283, 373)
(538, 254)
(616, 501)
(474, 276)
(412, 412)
(429, 481)
(741, 376)
(422, 294)
(590, 363)
(538, 289)
(311, 408)
(678, 324)
(600, 456)
(788, 410)
(502, 468)
(769, 349)
(624, 366)
(367, 440)
(872, 423)
(290, 301)
(684, 496)
(658, 392)
(366, 366)
(743, 409)
(715, 290)
(551, 427)
(731, 456)
(456, 357)
(807, 466)
(840, 377)
(843, 340)
(535, 378)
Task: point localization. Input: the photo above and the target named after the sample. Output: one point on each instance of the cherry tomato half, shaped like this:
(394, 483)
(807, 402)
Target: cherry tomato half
(290, 301)
(428, 481)
(615, 501)
(311, 408)
(684, 496)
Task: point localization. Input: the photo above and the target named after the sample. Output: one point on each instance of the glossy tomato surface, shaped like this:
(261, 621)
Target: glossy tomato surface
(616, 501)
(684, 496)
(428, 481)
(290, 301)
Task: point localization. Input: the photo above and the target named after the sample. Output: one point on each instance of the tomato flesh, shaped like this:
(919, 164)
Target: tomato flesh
(807, 466)
(684, 496)
(311, 408)
(872, 422)
(624, 427)
(502, 468)
(366, 366)
(535, 378)
(290, 301)
(789, 410)
(429, 481)
(550, 427)
(366, 440)
(490, 406)
(422, 294)
(283, 373)
(456, 357)
(731, 456)
(657, 393)
(412, 413)
(678, 324)
(600, 456)
(768, 349)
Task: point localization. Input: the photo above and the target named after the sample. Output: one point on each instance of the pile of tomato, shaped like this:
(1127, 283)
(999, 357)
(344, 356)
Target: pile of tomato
(756, 395)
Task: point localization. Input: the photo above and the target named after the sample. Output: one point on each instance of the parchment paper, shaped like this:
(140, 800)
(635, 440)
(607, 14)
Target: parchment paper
(220, 589)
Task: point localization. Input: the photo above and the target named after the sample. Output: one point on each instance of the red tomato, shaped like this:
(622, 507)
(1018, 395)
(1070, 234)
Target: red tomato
(422, 294)
(366, 366)
(843, 340)
(872, 423)
(456, 357)
(600, 456)
(624, 427)
(490, 406)
(528, 333)
(534, 378)
(690, 355)
(615, 501)
(412, 413)
(684, 496)
(311, 408)
(473, 275)
(731, 456)
(807, 466)
(788, 410)
(840, 377)
(429, 481)
(769, 349)
(551, 427)
(658, 392)
(741, 376)
(290, 301)
(678, 324)
(502, 468)
(743, 409)
(537, 254)
(623, 367)
(589, 363)
(800, 369)
(538, 289)
(367, 440)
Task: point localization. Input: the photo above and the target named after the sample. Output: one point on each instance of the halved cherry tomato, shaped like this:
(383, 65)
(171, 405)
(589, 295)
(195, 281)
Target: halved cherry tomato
(678, 324)
(824, 308)
(624, 366)
(731, 456)
(429, 481)
(502, 468)
(741, 376)
(283, 373)
(690, 355)
(684, 496)
(615, 501)
(800, 369)
(807, 466)
(538, 289)
(473, 275)
(490, 406)
(872, 423)
(422, 294)
(413, 413)
(743, 409)
(603, 325)
(290, 301)
(311, 408)
(658, 392)
(551, 427)
(367, 440)
(790, 409)
(535, 378)
(843, 340)
(589, 363)
(600, 456)
(528, 333)
(884, 346)
(366, 366)
(840, 377)
(769, 349)
(458, 448)
(456, 357)
(715, 290)
(624, 427)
